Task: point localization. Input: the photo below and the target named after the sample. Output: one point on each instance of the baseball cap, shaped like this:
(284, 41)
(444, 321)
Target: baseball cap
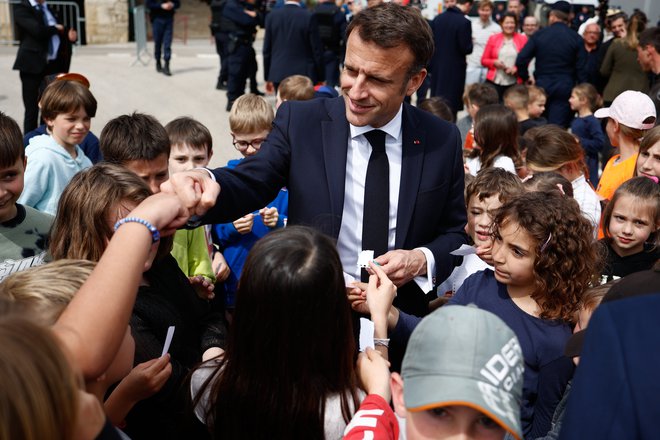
(562, 6)
(632, 109)
(465, 356)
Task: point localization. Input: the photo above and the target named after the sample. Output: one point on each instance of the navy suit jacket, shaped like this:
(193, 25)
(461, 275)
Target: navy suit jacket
(292, 45)
(306, 152)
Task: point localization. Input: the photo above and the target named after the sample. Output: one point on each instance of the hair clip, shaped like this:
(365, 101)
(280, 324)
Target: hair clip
(653, 178)
(561, 189)
(546, 242)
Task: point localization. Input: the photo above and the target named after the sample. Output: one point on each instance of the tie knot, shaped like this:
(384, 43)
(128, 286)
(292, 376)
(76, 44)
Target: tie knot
(376, 139)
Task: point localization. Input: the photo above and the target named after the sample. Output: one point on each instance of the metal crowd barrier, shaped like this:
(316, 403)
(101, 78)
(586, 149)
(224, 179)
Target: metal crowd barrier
(67, 11)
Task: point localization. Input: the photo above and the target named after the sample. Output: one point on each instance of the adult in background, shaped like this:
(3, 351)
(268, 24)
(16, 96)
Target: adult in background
(560, 63)
(648, 55)
(44, 49)
(292, 45)
(530, 25)
(518, 9)
(221, 40)
(161, 13)
(240, 20)
(620, 62)
(332, 29)
(501, 52)
(615, 27)
(591, 38)
(482, 28)
(452, 33)
(320, 151)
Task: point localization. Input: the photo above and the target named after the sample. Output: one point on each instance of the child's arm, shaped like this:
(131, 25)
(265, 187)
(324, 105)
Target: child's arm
(89, 325)
(381, 291)
(220, 267)
(199, 261)
(37, 178)
(145, 380)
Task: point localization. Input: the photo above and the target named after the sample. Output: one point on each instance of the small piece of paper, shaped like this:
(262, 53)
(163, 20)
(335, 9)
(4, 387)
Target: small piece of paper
(464, 250)
(168, 340)
(366, 334)
(348, 280)
(364, 258)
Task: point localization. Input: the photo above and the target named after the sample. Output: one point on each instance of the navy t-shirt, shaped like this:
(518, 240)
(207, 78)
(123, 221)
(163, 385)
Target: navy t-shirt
(547, 371)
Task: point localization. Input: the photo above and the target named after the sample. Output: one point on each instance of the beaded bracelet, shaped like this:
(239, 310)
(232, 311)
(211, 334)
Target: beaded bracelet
(155, 235)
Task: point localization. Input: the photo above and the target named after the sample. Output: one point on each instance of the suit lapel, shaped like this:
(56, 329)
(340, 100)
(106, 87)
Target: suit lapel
(334, 136)
(412, 160)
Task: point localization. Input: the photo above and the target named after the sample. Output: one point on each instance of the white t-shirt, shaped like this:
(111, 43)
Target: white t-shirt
(501, 161)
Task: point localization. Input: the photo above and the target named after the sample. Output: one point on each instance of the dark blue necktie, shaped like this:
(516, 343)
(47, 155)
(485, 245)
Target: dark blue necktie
(44, 17)
(376, 214)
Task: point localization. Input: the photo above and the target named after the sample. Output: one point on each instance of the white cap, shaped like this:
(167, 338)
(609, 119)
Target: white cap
(631, 109)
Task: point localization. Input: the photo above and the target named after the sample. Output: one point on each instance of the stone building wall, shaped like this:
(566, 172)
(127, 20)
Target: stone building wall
(106, 21)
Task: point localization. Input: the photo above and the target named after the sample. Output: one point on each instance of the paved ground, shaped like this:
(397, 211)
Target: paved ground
(122, 86)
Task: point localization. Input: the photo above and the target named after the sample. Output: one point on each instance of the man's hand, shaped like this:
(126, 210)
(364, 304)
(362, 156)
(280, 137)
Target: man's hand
(196, 189)
(401, 266)
(167, 6)
(244, 224)
(269, 216)
(72, 35)
(270, 88)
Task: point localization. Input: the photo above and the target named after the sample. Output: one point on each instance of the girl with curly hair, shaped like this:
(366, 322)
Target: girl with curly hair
(544, 259)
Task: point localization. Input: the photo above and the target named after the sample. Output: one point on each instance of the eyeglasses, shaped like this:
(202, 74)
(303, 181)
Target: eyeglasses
(244, 145)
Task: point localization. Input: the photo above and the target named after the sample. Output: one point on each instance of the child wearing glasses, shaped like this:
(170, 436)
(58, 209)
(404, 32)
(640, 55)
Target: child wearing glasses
(250, 121)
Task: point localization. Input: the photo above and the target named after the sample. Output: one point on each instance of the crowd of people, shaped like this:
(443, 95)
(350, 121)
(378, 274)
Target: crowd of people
(144, 295)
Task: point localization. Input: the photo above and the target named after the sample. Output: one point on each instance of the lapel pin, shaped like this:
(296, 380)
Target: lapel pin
(416, 142)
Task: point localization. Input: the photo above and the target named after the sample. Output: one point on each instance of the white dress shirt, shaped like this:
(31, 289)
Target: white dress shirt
(55, 39)
(588, 200)
(349, 242)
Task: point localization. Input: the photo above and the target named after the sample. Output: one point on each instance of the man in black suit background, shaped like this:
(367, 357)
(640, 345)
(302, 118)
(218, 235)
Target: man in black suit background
(292, 46)
(45, 49)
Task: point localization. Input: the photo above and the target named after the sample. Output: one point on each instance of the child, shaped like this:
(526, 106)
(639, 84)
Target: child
(438, 106)
(544, 259)
(551, 148)
(585, 100)
(67, 108)
(549, 181)
(294, 88)
(536, 104)
(496, 139)
(191, 146)
(290, 355)
(475, 97)
(23, 230)
(517, 99)
(250, 122)
(630, 224)
(140, 143)
(629, 117)
(648, 162)
(45, 302)
(93, 201)
(488, 191)
(446, 388)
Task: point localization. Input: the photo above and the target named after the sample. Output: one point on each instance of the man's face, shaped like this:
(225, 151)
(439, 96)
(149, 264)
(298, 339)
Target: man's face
(485, 13)
(591, 35)
(530, 25)
(645, 58)
(618, 27)
(514, 6)
(153, 172)
(375, 81)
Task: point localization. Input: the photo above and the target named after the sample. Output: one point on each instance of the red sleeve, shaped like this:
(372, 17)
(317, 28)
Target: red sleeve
(373, 420)
(489, 56)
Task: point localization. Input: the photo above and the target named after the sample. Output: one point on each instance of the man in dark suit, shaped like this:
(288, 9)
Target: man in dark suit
(452, 33)
(292, 45)
(320, 151)
(45, 49)
(560, 63)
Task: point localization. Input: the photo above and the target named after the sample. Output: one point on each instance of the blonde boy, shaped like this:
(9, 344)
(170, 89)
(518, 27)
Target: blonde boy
(250, 121)
(294, 88)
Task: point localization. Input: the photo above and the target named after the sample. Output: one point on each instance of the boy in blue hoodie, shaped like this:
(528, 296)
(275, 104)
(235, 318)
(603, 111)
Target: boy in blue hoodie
(67, 108)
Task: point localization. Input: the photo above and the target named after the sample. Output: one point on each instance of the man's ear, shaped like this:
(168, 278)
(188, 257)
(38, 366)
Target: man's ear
(415, 82)
(396, 385)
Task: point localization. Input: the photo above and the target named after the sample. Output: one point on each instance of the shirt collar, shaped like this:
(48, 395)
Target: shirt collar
(292, 2)
(34, 3)
(393, 128)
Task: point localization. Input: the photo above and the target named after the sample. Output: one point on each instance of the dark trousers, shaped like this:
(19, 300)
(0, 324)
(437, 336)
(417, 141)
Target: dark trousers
(221, 48)
(331, 68)
(163, 28)
(240, 67)
(557, 108)
(31, 84)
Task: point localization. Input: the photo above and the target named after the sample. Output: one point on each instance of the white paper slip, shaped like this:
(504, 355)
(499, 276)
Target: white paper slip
(464, 250)
(168, 340)
(366, 334)
(348, 280)
(364, 258)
